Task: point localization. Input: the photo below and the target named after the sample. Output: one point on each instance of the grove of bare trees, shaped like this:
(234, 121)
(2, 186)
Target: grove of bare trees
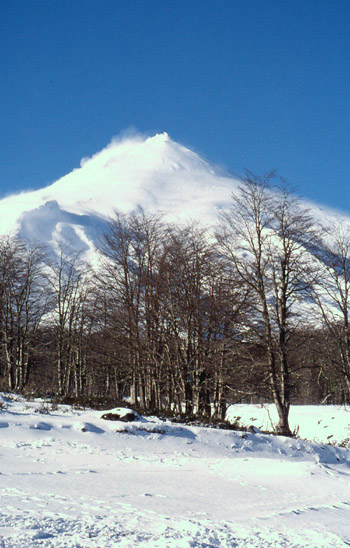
(181, 320)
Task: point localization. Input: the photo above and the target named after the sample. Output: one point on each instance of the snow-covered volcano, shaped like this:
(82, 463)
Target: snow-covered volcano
(156, 173)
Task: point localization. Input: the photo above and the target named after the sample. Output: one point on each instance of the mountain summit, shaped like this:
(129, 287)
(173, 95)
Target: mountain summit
(154, 172)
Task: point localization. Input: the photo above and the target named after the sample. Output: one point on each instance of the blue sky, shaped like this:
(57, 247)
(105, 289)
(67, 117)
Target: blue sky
(260, 85)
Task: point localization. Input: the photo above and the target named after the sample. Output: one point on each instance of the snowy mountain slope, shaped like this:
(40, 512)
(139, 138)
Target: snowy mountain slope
(70, 479)
(157, 173)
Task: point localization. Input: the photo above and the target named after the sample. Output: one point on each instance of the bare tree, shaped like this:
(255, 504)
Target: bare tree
(169, 312)
(333, 299)
(201, 311)
(267, 236)
(70, 318)
(128, 281)
(22, 305)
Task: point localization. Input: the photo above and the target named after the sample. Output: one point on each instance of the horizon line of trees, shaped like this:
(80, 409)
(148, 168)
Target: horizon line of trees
(181, 320)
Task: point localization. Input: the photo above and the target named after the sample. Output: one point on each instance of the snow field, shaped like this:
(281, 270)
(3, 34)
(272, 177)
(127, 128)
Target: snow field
(70, 479)
(317, 423)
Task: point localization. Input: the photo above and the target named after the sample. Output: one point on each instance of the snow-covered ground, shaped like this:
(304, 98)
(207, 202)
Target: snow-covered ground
(317, 423)
(70, 479)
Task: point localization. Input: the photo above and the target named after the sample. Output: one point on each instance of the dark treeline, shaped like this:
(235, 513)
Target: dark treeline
(181, 320)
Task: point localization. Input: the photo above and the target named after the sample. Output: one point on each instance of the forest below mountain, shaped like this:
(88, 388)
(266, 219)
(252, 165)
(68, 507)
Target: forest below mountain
(182, 320)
